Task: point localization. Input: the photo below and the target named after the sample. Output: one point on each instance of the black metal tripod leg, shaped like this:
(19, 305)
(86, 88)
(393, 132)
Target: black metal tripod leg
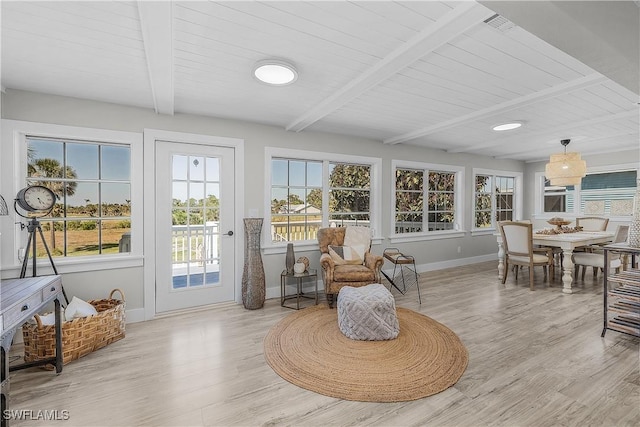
(55, 270)
(44, 242)
(25, 261)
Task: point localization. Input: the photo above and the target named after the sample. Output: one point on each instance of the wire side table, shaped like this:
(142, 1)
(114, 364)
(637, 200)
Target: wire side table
(310, 274)
(404, 271)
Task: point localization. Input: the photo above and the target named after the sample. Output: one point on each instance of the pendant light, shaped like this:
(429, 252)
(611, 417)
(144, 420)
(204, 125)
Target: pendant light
(565, 168)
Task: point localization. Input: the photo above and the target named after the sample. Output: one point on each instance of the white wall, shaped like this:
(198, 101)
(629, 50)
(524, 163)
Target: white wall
(28, 106)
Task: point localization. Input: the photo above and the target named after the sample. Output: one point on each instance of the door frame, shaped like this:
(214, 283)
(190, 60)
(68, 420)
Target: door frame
(151, 136)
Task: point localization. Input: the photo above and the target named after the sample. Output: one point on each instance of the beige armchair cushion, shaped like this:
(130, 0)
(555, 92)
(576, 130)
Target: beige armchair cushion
(359, 238)
(342, 255)
(537, 258)
(353, 273)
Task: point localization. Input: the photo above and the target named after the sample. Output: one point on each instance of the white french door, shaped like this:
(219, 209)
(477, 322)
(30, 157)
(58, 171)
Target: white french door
(195, 236)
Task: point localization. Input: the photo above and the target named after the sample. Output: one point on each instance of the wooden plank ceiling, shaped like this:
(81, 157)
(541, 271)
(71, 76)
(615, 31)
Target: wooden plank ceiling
(432, 74)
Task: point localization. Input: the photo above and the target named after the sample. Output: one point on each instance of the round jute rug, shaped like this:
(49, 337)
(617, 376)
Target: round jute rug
(307, 349)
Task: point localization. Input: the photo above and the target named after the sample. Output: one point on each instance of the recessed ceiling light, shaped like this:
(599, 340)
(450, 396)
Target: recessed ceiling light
(507, 126)
(275, 72)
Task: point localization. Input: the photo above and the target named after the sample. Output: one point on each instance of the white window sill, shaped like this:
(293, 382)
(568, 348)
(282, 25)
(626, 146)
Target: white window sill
(76, 265)
(434, 235)
(483, 232)
(306, 246)
(297, 246)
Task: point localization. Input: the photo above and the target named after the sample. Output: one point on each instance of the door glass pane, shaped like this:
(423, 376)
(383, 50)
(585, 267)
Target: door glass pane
(180, 167)
(213, 169)
(213, 195)
(179, 194)
(196, 194)
(196, 222)
(196, 168)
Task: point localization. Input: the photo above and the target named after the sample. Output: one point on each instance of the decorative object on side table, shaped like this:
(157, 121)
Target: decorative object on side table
(634, 228)
(253, 281)
(304, 260)
(298, 268)
(290, 258)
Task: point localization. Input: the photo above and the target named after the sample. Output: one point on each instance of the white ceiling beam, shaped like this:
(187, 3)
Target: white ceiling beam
(523, 101)
(549, 133)
(157, 35)
(448, 27)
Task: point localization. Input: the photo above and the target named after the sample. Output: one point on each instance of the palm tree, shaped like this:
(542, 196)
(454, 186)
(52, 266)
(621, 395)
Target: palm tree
(51, 168)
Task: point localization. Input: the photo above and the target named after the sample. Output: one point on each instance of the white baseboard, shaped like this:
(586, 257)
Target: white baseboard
(135, 315)
(441, 265)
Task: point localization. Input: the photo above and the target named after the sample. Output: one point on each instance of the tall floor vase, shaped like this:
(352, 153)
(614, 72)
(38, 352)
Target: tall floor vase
(253, 284)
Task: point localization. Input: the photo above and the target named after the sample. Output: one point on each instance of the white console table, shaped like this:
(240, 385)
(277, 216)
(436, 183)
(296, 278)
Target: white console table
(20, 299)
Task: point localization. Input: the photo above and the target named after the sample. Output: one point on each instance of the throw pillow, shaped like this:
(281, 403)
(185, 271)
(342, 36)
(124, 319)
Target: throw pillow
(79, 308)
(342, 255)
(359, 238)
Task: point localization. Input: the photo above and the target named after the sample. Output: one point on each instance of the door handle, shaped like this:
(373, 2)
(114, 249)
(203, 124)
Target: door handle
(229, 233)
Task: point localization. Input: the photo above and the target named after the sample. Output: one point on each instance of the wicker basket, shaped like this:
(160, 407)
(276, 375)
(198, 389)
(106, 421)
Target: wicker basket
(80, 336)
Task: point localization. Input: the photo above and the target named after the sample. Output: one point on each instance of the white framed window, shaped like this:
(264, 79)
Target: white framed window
(497, 197)
(604, 191)
(296, 199)
(96, 175)
(92, 185)
(428, 201)
(309, 190)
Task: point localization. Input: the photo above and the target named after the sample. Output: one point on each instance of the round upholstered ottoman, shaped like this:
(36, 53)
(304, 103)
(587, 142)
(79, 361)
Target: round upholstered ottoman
(367, 313)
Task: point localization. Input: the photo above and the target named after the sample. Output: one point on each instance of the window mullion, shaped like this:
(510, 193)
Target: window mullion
(325, 193)
(425, 199)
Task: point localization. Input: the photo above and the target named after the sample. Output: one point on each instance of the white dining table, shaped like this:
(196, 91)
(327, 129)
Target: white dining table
(565, 241)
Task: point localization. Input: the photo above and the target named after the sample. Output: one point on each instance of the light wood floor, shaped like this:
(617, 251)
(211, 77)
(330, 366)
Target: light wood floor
(536, 359)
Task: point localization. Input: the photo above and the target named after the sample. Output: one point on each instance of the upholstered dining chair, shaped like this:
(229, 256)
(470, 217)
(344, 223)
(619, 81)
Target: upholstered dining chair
(594, 256)
(346, 259)
(517, 241)
(592, 223)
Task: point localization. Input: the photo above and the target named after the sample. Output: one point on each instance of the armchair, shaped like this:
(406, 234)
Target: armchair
(336, 273)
